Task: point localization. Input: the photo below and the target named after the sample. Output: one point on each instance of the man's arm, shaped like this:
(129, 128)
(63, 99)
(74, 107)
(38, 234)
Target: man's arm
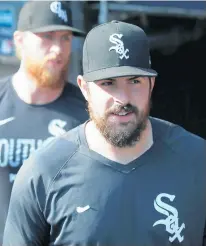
(25, 224)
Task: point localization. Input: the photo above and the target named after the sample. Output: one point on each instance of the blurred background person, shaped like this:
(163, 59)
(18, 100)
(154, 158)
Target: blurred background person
(37, 103)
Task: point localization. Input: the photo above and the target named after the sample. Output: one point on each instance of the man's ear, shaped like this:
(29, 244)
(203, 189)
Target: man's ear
(83, 86)
(152, 79)
(18, 42)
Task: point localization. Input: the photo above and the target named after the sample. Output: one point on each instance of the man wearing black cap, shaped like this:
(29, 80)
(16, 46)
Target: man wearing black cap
(123, 177)
(37, 103)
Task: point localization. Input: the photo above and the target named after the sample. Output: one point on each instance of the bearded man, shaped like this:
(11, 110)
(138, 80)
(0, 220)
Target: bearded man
(123, 178)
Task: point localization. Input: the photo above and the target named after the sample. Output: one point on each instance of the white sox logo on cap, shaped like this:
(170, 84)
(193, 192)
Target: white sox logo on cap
(56, 8)
(119, 48)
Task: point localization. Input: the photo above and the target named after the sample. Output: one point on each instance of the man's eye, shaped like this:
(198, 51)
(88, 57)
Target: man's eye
(135, 81)
(66, 37)
(107, 83)
(47, 36)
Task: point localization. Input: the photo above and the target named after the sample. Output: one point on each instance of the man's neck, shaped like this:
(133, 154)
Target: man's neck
(122, 155)
(29, 92)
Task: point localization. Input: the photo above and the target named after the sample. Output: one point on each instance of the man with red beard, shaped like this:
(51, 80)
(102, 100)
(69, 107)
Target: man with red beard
(122, 178)
(37, 103)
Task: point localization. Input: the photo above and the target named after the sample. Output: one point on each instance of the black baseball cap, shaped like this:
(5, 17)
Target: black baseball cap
(116, 49)
(46, 16)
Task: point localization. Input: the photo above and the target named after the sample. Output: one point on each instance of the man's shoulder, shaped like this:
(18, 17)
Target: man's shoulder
(4, 84)
(57, 152)
(4, 80)
(177, 137)
(45, 162)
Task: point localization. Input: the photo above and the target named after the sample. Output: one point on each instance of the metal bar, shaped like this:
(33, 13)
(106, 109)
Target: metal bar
(103, 12)
(153, 10)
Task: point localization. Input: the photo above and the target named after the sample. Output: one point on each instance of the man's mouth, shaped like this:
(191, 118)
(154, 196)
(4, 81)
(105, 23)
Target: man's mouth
(123, 113)
(55, 61)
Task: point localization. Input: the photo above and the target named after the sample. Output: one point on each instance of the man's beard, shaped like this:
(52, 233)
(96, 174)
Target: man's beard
(126, 134)
(45, 77)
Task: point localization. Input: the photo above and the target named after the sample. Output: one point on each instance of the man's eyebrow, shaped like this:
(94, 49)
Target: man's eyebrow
(109, 79)
(115, 79)
(134, 77)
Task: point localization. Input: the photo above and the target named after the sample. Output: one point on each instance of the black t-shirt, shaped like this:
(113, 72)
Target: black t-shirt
(67, 194)
(24, 127)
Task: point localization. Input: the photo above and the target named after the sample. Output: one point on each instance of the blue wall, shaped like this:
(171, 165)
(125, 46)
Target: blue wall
(9, 11)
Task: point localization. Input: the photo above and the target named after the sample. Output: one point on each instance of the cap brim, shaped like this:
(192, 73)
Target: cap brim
(121, 71)
(76, 32)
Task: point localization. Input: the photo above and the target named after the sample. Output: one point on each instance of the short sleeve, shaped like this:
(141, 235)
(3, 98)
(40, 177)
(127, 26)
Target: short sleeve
(26, 224)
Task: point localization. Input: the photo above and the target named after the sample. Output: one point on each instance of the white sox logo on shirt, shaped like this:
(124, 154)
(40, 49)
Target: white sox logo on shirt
(171, 222)
(14, 151)
(119, 47)
(56, 127)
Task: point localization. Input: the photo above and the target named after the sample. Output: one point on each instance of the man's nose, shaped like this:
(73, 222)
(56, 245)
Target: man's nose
(122, 97)
(56, 47)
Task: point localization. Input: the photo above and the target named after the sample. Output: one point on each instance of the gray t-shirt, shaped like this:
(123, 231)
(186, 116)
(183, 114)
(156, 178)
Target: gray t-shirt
(67, 194)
